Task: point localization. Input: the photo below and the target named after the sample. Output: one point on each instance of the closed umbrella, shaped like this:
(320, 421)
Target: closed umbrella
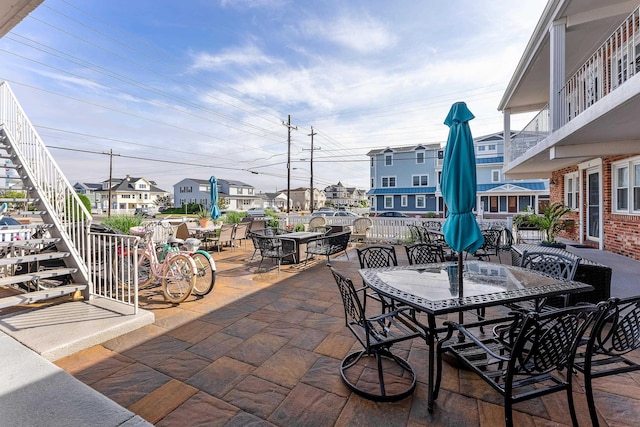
(458, 186)
(215, 210)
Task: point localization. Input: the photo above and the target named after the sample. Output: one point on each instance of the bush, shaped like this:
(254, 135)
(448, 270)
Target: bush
(123, 222)
(233, 217)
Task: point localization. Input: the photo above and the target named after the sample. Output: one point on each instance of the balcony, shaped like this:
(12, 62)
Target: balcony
(597, 104)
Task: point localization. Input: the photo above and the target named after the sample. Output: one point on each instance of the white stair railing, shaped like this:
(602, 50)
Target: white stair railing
(55, 195)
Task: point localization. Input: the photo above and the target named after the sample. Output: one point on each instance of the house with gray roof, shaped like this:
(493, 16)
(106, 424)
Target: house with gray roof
(238, 195)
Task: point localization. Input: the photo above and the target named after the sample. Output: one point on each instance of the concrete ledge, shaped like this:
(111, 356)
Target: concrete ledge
(35, 392)
(64, 329)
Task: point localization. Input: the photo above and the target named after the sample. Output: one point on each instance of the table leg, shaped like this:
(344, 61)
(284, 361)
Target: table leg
(430, 338)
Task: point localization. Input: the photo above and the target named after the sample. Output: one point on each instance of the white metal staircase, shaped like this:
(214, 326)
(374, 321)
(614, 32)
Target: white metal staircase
(51, 209)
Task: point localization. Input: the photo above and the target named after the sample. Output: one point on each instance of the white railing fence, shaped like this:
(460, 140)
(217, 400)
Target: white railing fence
(113, 267)
(391, 230)
(40, 171)
(612, 64)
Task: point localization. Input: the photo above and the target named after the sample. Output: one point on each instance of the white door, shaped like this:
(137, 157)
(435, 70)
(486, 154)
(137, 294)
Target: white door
(593, 204)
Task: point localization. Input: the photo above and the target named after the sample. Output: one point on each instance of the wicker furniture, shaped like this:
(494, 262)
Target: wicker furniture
(359, 229)
(376, 335)
(587, 271)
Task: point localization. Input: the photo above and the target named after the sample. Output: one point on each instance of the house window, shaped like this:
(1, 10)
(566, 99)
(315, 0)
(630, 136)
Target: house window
(239, 191)
(403, 201)
(481, 148)
(495, 175)
(625, 186)
(371, 161)
(419, 157)
(420, 180)
(622, 188)
(373, 182)
(492, 147)
(388, 181)
(388, 202)
(571, 191)
(420, 202)
(388, 159)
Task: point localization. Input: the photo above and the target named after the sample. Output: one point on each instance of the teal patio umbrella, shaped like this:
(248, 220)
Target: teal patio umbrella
(215, 210)
(458, 186)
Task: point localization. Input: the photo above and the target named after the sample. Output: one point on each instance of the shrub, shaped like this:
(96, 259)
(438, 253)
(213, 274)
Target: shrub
(123, 222)
(233, 217)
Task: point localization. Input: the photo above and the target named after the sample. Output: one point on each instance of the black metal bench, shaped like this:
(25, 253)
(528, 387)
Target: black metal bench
(328, 245)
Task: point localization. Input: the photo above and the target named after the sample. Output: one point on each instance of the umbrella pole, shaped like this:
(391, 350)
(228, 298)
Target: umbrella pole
(460, 295)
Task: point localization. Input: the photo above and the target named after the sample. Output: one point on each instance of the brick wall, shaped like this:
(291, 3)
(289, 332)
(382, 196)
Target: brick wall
(621, 232)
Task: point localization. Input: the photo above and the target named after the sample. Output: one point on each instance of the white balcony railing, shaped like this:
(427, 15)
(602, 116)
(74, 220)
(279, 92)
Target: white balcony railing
(608, 68)
(534, 132)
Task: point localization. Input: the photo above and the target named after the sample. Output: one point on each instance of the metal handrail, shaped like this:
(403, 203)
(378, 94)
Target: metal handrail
(56, 195)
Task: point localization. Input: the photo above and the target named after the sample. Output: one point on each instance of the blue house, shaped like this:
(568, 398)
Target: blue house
(407, 179)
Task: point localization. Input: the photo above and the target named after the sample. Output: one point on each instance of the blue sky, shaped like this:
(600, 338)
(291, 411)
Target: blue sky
(207, 84)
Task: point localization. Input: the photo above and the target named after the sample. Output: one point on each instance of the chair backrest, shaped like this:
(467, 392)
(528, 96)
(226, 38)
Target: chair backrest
(432, 225)
(226, 232)
(353, 308)
(416, 233)
(424, 253)
(376, 256)
(547, 341)
(361, 225)
(317, 221)
(491, 239)
(242, 229)
(506, 239)
(617, 330)
(552, 264)
(182, 231)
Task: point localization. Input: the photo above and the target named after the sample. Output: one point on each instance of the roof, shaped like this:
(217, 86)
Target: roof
(534, 186)
(127, 185)
(405, 149)
(234, 183)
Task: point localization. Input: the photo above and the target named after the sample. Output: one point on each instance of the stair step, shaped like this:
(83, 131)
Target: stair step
(42, 274)
(28, 244)
(43, 256)
(18, 200)
(36, 296)
(24, 227)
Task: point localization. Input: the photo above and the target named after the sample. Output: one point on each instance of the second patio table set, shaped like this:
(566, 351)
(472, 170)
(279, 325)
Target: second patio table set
(433, 290)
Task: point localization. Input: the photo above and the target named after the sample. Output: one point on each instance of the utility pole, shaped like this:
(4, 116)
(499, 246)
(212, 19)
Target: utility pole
(110, 154)
(110, 177)
(289, 127)
(311, 166)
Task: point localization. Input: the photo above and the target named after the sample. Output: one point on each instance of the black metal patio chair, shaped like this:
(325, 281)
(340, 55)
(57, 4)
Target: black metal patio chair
(275, 247)
(615, 334)
(376, 335)
(527, 365)
(377, 256)
(424, 253)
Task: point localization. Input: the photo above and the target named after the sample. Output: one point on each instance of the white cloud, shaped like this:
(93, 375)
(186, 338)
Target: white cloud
(248, 55)
(363, 34)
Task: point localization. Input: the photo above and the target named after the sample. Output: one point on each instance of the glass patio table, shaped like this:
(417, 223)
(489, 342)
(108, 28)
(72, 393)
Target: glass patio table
(432, 289)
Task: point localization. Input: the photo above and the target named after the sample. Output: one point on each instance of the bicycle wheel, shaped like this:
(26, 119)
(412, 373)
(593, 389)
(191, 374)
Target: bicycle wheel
(206, 274)
(145, 272)
(179, 278)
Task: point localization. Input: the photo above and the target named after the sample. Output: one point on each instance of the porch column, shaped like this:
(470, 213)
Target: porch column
(557, 73)
(506, 120)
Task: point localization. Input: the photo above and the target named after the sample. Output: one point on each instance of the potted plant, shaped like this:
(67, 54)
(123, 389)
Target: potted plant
(551, 223)
(203, 216)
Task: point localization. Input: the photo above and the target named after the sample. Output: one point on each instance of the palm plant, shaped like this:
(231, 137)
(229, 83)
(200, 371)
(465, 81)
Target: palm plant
(550, 222)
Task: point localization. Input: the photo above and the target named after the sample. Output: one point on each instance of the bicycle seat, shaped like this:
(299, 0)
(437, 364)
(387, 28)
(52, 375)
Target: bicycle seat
(173, 241)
